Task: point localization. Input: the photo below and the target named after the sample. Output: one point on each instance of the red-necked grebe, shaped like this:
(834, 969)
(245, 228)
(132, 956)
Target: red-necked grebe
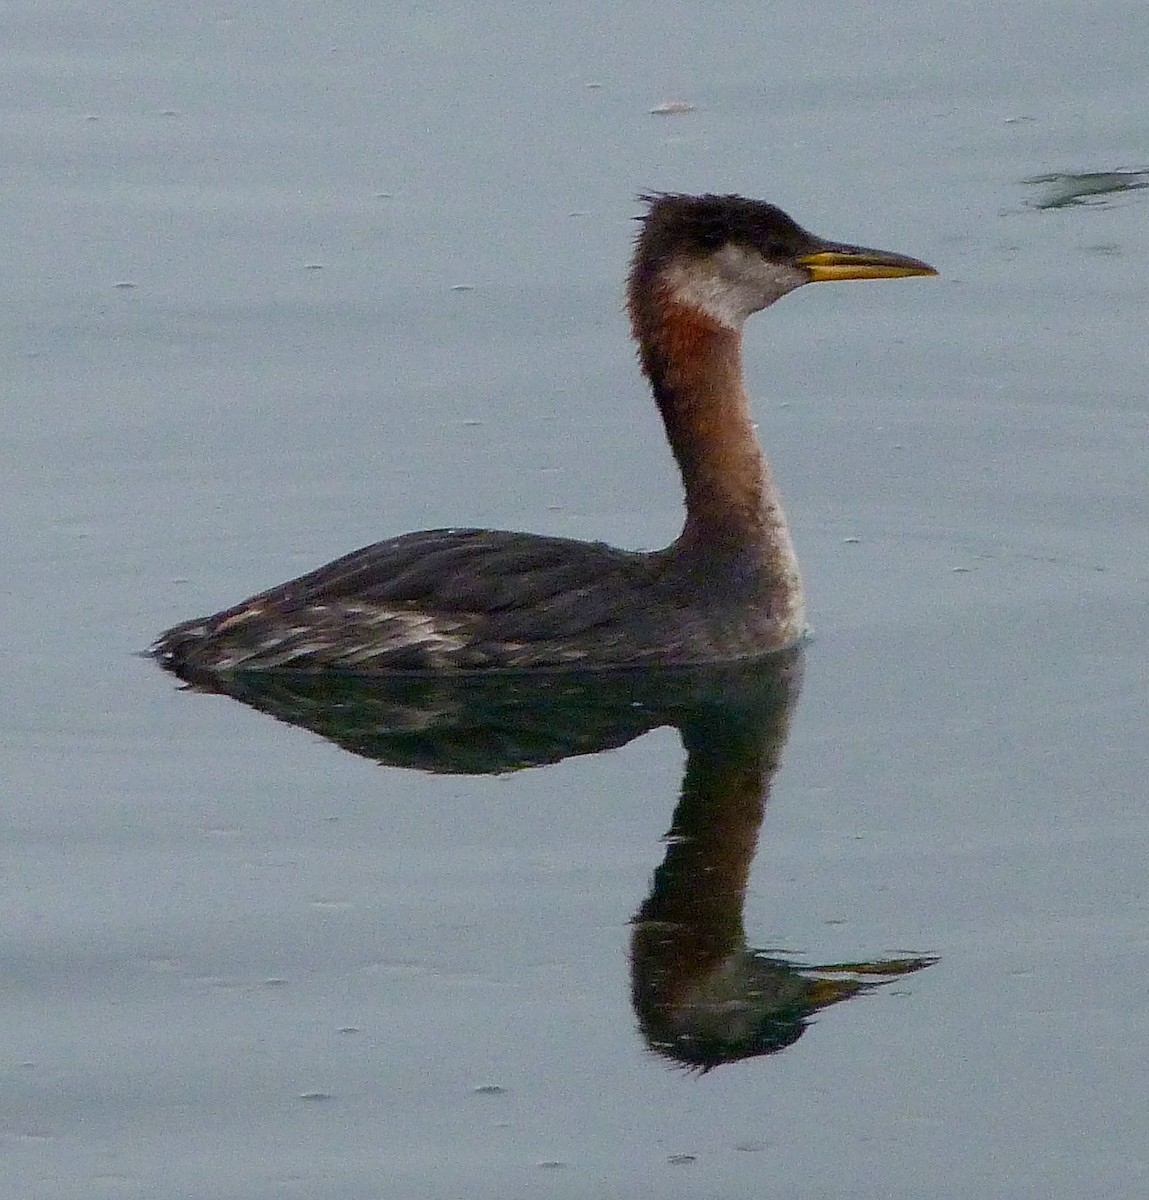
(476, 599)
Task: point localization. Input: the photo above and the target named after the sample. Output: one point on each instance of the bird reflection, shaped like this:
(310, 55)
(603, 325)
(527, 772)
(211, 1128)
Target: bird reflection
(702, 996)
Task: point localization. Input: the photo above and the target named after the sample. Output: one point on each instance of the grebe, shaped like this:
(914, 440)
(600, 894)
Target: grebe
(475, 599)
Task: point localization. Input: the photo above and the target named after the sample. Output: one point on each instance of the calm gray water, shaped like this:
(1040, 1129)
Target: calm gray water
(239, 961)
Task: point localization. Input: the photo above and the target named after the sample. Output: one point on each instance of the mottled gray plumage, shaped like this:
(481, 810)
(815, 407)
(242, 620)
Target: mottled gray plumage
(471, 599)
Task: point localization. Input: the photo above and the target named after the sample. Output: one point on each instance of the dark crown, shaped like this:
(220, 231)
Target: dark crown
(675, 224)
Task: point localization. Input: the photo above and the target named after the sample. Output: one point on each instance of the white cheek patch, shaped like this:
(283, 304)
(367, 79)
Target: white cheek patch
(700, 286)
(731, 284)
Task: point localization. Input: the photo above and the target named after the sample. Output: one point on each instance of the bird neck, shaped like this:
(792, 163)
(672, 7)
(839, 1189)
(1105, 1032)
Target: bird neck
(694, 364)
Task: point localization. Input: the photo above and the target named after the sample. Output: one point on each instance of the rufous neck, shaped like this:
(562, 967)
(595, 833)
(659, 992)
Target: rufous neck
(694, 364)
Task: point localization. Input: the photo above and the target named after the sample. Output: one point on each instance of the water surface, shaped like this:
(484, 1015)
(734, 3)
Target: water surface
(283, 280)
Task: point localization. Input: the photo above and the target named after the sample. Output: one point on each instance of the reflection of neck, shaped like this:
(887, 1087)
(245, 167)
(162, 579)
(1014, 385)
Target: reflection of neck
(699, 889)
(692, 921)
